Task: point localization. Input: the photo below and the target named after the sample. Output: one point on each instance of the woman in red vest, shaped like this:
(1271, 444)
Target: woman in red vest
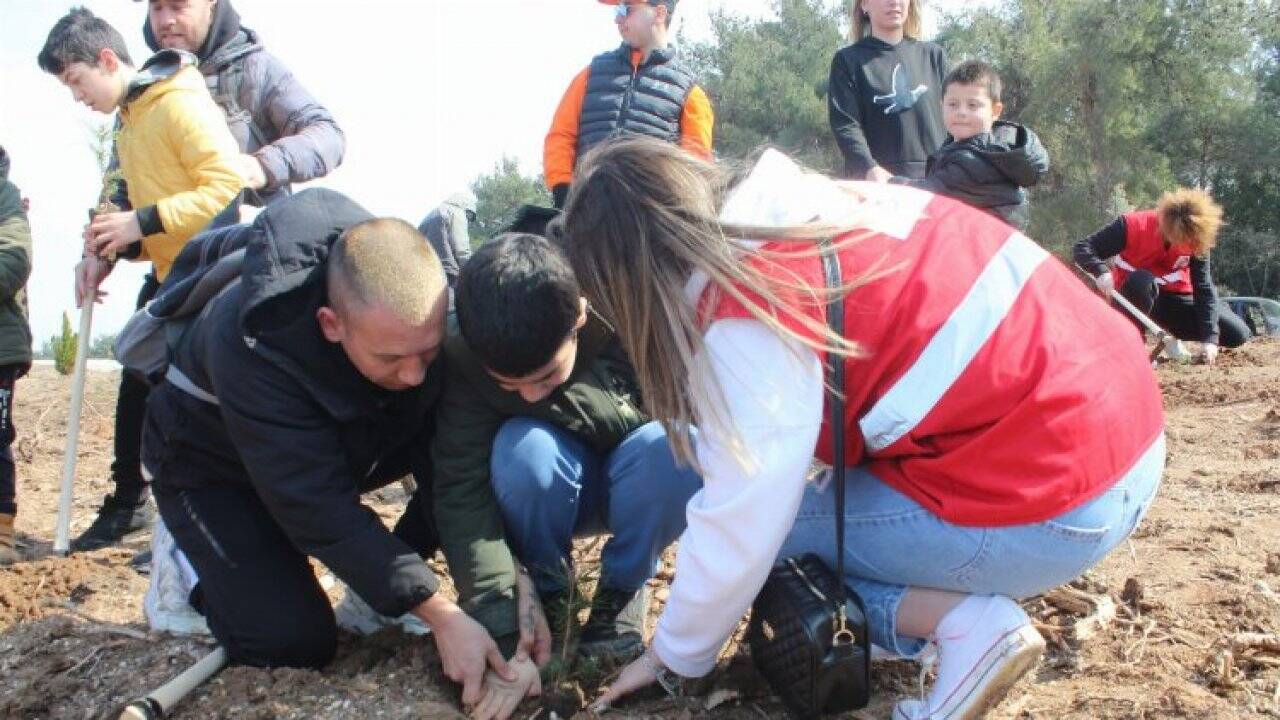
(989, 459)
(1160, 262)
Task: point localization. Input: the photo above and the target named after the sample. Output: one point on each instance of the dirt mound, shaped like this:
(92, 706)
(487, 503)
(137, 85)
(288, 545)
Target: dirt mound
(30, 591)
(1172, 625)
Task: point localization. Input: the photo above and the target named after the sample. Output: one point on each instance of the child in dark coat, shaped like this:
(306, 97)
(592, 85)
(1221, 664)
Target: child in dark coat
(15, 342)
(985, 162)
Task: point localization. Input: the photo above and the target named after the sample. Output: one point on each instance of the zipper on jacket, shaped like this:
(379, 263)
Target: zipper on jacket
(626, 99)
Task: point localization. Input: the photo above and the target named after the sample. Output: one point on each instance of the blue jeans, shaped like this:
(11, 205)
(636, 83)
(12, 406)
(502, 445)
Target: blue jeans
(892, 543)
(551, 487)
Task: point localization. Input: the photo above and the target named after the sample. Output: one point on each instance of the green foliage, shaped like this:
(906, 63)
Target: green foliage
(768, 80)
(103, 346)
(63, 348)
(102, 139)
(1135, 97)
(500, 194)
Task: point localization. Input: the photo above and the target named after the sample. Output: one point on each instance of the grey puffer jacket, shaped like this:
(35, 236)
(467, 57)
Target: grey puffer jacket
(989, 171)
(270, 113)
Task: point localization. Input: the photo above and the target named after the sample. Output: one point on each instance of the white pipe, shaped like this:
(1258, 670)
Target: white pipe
(163, 699)
(62, 531)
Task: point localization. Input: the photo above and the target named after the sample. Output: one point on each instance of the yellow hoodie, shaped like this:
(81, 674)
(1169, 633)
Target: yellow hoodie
(177, 155)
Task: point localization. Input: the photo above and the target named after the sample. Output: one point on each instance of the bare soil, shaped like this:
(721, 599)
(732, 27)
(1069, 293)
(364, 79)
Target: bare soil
(1161, 629)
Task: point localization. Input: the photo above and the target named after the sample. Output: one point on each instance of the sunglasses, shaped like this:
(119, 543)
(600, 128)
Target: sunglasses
(623, 10)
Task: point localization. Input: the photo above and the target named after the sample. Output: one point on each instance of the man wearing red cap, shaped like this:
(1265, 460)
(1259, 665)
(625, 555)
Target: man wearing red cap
(640, 88)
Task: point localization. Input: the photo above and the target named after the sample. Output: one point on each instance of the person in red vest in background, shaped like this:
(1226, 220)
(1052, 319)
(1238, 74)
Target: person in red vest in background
(639, 88)
(1160, 263)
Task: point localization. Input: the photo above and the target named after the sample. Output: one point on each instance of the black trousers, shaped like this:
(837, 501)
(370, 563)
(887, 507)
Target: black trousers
(9, 375)
(257, 591)
(1177, 314)
(131, 410)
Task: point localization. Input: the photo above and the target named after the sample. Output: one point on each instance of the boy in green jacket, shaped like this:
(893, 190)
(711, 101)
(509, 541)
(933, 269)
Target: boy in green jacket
(542, 409)
(15, 341)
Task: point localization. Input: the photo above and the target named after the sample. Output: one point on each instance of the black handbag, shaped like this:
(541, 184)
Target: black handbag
(808, 632)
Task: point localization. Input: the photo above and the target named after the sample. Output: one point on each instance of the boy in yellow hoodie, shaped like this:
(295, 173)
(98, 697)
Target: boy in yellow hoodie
(181, 166)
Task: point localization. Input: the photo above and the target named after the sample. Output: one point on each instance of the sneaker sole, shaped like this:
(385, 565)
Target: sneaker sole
(1001, 666)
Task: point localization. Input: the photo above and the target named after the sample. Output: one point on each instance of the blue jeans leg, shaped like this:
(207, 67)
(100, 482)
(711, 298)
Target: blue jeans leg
(648, 494)
(892, 544)
(539, 472)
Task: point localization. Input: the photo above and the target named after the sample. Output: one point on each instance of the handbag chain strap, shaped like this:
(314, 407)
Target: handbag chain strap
(835, 390)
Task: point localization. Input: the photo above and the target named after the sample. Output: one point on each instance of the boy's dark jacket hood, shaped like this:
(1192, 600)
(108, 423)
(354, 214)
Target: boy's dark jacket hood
(227, 39)
(1012, 149)
(988, 171)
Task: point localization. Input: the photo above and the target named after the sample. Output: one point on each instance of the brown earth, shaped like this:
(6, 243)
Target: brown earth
(1158, 618)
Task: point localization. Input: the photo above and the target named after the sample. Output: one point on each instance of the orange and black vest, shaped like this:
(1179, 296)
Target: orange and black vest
(645, 99)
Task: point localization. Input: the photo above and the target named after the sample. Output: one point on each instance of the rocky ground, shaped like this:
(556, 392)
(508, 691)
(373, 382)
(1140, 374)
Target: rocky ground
(1180, 623)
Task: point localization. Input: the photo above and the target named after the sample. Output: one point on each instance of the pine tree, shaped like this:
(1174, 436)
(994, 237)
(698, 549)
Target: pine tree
(64, 348)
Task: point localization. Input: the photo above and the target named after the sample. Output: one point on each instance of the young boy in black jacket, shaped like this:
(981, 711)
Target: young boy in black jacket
(985, 162)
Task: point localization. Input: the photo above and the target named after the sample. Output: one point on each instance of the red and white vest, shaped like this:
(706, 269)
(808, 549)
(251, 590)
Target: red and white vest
(994, 388)
(1145, 249)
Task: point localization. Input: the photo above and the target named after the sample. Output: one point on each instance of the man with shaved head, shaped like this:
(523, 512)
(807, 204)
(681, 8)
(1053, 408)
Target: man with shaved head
(308, 381)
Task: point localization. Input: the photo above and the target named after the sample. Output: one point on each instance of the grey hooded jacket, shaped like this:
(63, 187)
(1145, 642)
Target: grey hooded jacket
(446, 228)
(270, 114)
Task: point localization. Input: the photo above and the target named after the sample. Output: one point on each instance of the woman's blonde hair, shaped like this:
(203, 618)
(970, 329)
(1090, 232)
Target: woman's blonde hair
(1190, 217)
(862, 22)
(641, 219)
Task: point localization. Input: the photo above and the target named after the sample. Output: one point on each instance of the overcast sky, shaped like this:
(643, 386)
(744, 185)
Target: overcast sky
(430, 93)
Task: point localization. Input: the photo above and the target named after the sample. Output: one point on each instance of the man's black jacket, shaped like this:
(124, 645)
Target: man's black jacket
(294, 417)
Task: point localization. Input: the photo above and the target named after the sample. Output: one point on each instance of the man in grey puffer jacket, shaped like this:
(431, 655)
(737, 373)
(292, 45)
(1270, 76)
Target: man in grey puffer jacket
(286, 137)
(273, 118)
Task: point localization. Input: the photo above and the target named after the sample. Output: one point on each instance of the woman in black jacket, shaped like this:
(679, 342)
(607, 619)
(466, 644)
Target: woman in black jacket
(884, 97)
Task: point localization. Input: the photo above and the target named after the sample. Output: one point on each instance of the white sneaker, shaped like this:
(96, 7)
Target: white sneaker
(171, 580)
(355, 615)
(985, 645)
(1174, 348)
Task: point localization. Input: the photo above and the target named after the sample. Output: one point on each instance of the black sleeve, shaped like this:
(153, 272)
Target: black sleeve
(559, 194)
(949, 175)
(844, 113)
(292, 451)
(1205, 299)
(149, 220)
(1092, 252)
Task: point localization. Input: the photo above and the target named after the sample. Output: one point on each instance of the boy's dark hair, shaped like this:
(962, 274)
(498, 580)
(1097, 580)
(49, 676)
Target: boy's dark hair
(517, 301)
(78, 37)
(975, 72)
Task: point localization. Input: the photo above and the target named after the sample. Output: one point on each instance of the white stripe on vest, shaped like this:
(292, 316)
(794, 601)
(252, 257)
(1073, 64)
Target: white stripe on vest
(954, 345)
(1162, 280)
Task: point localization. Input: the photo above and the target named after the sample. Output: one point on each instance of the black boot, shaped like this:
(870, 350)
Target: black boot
(116, 519)
(614, 633)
